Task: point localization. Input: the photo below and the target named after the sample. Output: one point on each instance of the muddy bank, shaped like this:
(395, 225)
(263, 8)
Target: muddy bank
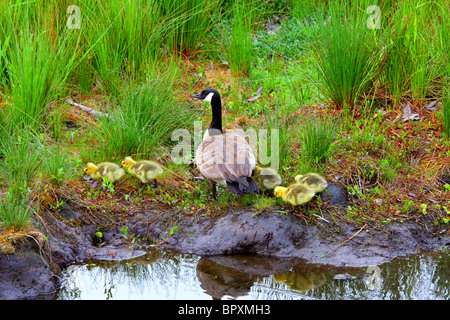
(71, 238)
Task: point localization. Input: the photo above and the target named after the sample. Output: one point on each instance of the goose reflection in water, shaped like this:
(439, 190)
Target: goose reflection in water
(234, 276)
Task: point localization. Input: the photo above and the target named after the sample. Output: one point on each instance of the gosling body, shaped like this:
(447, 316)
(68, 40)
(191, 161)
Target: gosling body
(296, 194)
(144, 170)
(108, 170)
(314, 181)
(266, 178)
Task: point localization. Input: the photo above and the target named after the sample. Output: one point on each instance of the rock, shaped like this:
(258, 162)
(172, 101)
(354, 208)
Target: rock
(334, 193)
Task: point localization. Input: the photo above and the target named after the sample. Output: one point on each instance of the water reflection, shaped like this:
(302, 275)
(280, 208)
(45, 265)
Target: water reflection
(163, 275)
(234, 276)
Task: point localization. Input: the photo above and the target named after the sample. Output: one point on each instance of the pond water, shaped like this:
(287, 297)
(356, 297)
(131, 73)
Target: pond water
(168, 276)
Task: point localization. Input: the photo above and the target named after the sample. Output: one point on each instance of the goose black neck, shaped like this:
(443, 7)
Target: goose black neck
(216, 106)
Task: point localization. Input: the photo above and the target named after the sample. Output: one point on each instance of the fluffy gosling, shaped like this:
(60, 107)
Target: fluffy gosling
(314, 181)
(266, 178)
(108, 170)
(144, 170)
(296, 194)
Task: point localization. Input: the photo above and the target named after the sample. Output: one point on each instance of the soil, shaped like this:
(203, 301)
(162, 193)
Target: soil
(34, 271)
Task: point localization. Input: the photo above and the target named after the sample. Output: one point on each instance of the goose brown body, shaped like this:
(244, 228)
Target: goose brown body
(225, 157)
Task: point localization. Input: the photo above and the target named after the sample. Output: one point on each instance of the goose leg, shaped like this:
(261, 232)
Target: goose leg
(213, 188)
(153, 184)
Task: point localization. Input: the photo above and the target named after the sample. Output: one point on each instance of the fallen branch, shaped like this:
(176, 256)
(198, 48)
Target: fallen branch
(258, 95)
(347, 240)
(87, 109)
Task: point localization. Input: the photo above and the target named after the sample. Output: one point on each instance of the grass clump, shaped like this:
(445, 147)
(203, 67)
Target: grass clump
(317, 139)
(15, 212)
(189, 23)
(346, 54)
(237, 43)
(21, 156)
(125, 37)
(141, 120)
(34, 76)
(411, 58)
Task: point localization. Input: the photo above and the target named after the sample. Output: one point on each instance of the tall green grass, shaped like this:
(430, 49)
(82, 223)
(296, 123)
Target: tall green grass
(22, 154)
(189, 23)
(142, 120)
(317, 139)
(38, 61)
(15, 211)
(346, 53)
(125, 36)
(237, 43)
(443, 36)
(411, 60)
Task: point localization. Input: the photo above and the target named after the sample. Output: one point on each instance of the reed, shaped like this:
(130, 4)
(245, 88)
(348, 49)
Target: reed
(15, 211)
(141, 120)
(317, 139)
(237, 41)
(347, 57)
(38, 59)
(189, 22)
(411, 59)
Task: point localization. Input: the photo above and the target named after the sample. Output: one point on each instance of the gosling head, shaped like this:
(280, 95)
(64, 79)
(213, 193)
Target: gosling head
(127, 162)
(279, 191)
(256, 171)
(298, 177)
(90, 168)
(207, 94)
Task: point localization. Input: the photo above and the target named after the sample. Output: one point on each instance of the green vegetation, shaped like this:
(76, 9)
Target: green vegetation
(142, 120)
(334, 79)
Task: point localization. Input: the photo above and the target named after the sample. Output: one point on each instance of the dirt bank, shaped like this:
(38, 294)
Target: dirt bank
(71, 237)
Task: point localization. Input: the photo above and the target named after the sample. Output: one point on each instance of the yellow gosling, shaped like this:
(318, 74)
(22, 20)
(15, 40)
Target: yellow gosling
(144, 170)
(108, 170)
(314, 181)
(266, 178)
(296, 194)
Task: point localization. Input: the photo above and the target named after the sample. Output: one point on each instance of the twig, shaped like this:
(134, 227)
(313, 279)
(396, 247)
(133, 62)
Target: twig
(258, 95)
(87, 109)
(347, 240)
(187, 182)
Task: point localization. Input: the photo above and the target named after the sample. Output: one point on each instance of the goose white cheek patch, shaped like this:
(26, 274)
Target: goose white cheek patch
(209, 97)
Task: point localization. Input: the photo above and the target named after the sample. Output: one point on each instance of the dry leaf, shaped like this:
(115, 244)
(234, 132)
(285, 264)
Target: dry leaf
(408, 115)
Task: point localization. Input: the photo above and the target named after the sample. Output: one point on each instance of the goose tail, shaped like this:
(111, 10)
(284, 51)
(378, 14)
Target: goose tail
(243, 185)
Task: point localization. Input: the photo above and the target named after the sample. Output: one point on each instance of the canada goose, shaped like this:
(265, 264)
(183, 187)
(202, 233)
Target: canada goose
(266, 178)
(224, 157)
(315, 182)
(108, 170)
(296, 194)
(146, 171)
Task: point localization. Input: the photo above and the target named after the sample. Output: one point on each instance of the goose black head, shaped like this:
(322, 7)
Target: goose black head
(213, 97)
(208, 94)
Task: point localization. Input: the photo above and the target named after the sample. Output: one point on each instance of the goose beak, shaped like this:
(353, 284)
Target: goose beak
(197, 96)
